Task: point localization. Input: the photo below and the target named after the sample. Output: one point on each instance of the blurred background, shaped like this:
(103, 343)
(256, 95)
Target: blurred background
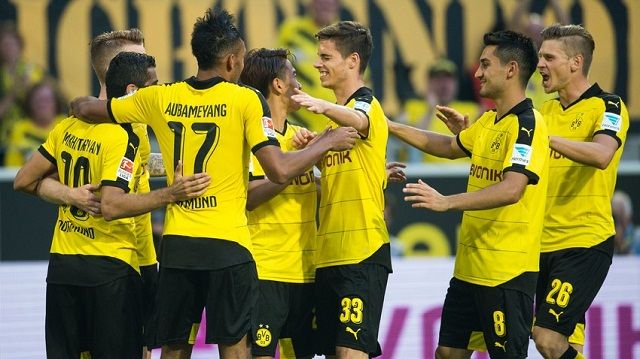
(425, 53)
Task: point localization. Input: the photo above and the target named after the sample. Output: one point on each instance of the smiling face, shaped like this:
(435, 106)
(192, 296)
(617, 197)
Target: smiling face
(554, 65)
(332, 66)
(491, 73)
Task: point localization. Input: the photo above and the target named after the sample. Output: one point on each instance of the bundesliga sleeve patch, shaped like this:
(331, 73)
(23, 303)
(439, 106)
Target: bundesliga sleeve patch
(267, 127)
(521, 154)
(362, 106)
(125, 170)
(611, 121)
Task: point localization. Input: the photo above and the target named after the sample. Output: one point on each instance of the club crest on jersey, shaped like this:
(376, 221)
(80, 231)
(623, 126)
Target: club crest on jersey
(521, 154)
(267, 127)
(611, 121)
(362, 106)
(125, 170)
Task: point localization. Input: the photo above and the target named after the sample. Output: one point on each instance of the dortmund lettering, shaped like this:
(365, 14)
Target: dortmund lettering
(304, 178)
(199, 203)
(69, 226)
(81, 144)
(196, 111)
(337, 158)
(555, 155)
(489, 174)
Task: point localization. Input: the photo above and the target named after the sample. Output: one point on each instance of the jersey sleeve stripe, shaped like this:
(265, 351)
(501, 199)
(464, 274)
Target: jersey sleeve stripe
(47, 155)
(120, 183)
(610, 133)
(130, 153)
(612, 103)
(269, 142)
(110, 111)
(462, 146)
(533, 178)
(526, 127)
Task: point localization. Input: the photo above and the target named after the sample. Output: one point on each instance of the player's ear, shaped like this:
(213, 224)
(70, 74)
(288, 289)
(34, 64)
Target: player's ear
(353, 60)
(277, 85)
(230, 60)
(576, 62)
(512, 69)
(131, 88)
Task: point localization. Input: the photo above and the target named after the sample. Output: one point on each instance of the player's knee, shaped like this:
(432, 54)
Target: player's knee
(549, 343)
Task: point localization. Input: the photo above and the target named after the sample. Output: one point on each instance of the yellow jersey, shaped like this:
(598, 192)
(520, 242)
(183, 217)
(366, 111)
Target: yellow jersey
(352, 227)
(143, 227)
(579, 197)
(283, 229)
(88, 250)
(211, 126)
(498, 244)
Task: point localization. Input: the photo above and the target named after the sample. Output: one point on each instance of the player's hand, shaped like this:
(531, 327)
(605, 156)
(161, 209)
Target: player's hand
(341, 138)
(455, 121)
(85, 199)
(424, 196)
(302, 138)
(192, 186)
(309, 102)
(395, 172)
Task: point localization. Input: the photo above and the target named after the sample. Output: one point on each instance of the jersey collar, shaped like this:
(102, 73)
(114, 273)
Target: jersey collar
(362, 91)
(205, 84)
(592, 91)
(519, 108)
(284, 128)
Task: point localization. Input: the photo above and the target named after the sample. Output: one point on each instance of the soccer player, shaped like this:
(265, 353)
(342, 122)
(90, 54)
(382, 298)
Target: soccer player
(93, 280)
(353, 256)
(490, 296)
(282, 222)
(210, 123)
(587, 128)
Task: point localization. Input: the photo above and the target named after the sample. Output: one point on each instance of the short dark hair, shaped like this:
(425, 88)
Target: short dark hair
(513, 46)
(261, 66)
(214, 36)
(576, 39)
(106, 45)
(127, 68)
(350, 37)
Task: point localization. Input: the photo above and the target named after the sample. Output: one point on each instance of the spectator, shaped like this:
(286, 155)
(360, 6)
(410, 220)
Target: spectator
(16, 76)
(627, 239)
(298, 35)
(442, 89)
(44, 107)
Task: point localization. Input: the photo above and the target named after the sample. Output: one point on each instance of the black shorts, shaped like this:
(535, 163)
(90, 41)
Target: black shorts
(284, 310)
(568, 282)
(229, 295)
(495, 319)
(147, 302)
(349, 307)
(104, 320)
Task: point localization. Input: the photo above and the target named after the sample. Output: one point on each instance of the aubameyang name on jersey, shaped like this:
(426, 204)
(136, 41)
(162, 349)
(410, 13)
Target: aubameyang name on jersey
(69, 226)
(198, 203)
(196, 111)
(489, 174)
(81, 144)
(336, 158)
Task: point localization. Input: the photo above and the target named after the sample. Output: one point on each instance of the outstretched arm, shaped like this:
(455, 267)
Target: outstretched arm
(506, 192)
(262, 190)
(342, 115)
(430, 142)
(90, 109)
(596, 153)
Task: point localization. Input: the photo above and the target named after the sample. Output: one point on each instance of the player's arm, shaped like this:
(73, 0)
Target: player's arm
(596, 153)
(262, 190)
(280, 167)
(506, 192)
(90, 109)
(430, 142)
(115, 203)
(342, 115)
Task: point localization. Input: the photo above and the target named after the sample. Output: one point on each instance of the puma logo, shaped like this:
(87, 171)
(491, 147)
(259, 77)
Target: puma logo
(503, 346)
(527, 131)
(355, 334)
(557, 315)
(135, 148)
(616, 104)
